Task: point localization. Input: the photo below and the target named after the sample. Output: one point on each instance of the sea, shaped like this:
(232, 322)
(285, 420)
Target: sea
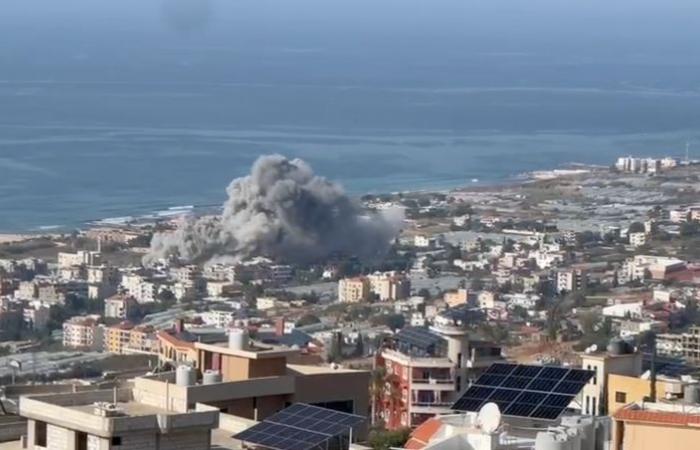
(112, 109)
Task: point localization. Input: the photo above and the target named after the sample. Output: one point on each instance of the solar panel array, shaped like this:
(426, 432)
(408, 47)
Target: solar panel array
(419, 337)
(300, 427)
(540, 392)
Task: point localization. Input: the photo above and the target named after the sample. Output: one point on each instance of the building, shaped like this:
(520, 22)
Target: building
(390, 286)
(641, 267)
(638, 239)
(265, 303)
(685, 345)
(618, 359)
(426, 369)
(456, 298)
(112, 419)
(467, 432)
(625, 389)
(127, 338)
(79, 258)
(571, 280)
(121, 306)
(36, 316)
(654, 425)
(252, 380)
(353, 290)
(83, 332)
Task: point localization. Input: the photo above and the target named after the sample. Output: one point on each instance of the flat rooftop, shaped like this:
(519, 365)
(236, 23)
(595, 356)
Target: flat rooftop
(128, 409)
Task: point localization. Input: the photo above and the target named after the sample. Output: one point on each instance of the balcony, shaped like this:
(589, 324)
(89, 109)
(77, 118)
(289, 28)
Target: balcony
(434, 407)
(433, 384)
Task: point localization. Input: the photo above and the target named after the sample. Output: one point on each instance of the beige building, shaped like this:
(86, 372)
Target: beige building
(249, 380)
(571, 280)
(390, 286)
(456, 298)
(106, 420)
(353, 290)
(654, 426)
(618, 359)
(127, 338)
(83, 332)
(120, 306)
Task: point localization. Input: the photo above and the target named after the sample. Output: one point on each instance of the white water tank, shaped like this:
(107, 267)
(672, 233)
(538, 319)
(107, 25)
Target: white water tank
(552, 440)
(185, 376)
(691, 394)
(211, 377)
(238, 338)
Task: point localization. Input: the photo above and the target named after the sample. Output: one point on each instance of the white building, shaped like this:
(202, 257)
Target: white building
(625, 310)
(264, 303)
(83, 332)
(571, 280)
(638, 239)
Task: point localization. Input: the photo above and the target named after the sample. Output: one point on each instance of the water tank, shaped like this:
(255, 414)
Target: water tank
(238, 339)
(691, 393)
(552, 440)
(185, 376)
(211, 377)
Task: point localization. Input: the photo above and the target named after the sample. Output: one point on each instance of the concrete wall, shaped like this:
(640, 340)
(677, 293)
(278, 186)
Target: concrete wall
(634, 388)
(655, 437)
(334, 386)
(228, 422)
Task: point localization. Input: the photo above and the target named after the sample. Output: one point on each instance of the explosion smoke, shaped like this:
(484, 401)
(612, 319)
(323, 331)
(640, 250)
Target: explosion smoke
(285, 212)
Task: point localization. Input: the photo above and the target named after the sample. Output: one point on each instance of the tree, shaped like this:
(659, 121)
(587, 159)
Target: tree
(636, 227)
(393, 321)
(307, 319)
(386, 439)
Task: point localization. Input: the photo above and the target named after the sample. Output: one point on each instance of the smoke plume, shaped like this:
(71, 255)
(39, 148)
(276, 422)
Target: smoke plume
(285, 212)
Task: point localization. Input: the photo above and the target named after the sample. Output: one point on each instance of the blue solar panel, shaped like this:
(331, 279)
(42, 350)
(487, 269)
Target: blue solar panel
(541, 392)
(300, 427)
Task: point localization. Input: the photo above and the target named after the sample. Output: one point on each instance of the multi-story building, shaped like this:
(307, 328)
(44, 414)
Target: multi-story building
(83, 332)
(127, 338)
(571, 280)
(390, 286)
(638, 239)
(426, 369)
(353, 290)
(36, 315)
(121, 306)
(641, 267)
(102, 281)
(618, 359)
(79, 258)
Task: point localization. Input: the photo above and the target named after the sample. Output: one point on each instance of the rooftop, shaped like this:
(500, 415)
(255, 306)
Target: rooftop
(661, 414)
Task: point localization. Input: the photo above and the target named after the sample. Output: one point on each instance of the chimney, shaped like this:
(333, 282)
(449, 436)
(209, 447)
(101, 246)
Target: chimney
(279, 326)
(179, 325)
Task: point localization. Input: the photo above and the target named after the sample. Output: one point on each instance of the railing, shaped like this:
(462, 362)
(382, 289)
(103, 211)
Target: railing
(432, 404)
(434, 380)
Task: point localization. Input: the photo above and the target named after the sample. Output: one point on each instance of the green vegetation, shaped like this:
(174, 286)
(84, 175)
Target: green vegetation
(386, 439)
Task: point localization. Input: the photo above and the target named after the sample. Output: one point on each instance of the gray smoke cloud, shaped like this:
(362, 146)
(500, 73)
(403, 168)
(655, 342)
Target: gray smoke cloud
(284, 211)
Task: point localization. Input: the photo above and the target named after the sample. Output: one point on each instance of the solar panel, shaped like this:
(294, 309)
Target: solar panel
(541, 392)
(300, 427)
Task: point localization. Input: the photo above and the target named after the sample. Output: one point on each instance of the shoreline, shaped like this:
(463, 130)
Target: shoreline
(174, 211)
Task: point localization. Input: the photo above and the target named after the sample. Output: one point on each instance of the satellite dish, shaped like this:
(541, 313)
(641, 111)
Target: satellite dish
(489, 418)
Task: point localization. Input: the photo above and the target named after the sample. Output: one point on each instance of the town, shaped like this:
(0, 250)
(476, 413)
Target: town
(559, 311)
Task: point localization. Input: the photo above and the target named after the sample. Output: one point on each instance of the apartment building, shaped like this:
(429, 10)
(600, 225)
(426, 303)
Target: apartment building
(353, 290)
(618, 359)
(456, 298)
(390, 286)
(79, 258)
(83, 332)
(35, 315)
(571, 280)
(638, 239)
(425, 370)
(641, 267)
(127, 338)
(121, 306)
(685, 345)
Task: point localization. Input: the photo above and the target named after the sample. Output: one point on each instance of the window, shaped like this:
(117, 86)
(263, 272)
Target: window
(116, 440)
(587, 409)
(620, 397)
(594, 410)
(40, 433)
(81, 441)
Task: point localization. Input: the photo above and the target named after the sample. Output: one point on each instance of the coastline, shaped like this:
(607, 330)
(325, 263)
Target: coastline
(173, 211)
